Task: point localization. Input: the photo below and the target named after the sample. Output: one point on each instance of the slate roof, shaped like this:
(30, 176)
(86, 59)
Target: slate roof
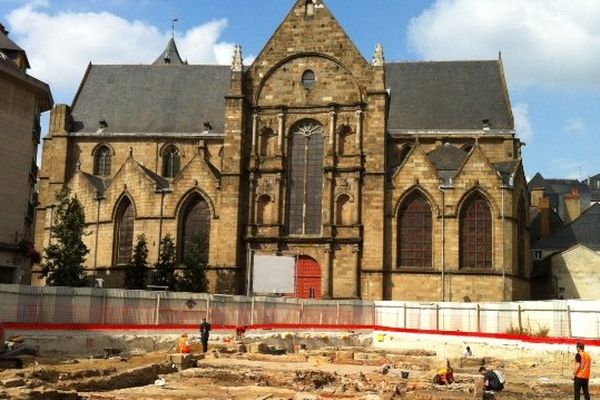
(506, 169)
(8, 46)
(179, 98)
(536, 182)
(535, 223)
(151, 98)
(161, 183)
(584, 230)
(170, 56)
(557, 186)
(447, 157)
(98, 183)
(447, 95)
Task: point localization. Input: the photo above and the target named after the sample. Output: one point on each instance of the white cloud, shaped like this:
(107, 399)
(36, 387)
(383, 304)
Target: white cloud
(522, 122)
(576, 126)
(59, 46)
(543, 42)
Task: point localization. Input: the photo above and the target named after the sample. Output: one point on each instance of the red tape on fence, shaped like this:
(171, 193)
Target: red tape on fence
(19, 326)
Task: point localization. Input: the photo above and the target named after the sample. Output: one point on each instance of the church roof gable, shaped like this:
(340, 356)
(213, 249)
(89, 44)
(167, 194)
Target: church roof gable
(152, 99)
(304, 31)
(447, 95)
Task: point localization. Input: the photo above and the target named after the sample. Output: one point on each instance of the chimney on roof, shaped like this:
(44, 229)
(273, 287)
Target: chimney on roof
(572, 205)
(537, 193)
(544, 205)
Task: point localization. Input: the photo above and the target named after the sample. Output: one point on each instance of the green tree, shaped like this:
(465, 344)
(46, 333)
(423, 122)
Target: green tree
(164, 274)
(135, 275)
(65, 255)
(196, 262)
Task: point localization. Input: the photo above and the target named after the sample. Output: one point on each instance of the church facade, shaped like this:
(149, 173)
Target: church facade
(384, 180)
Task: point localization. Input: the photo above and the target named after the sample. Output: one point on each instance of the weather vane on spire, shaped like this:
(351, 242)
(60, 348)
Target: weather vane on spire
(173, 21)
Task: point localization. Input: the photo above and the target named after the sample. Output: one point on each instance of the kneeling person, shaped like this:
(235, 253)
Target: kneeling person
(493, 381)
(444, 376)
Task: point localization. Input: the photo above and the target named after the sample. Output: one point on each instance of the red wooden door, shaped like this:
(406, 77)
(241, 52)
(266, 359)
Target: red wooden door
(308, 278)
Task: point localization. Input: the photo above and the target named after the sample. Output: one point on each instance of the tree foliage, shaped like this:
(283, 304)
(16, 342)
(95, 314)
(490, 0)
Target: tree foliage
(135, 274)
(196, 262)
(65, 255)
(164, 274)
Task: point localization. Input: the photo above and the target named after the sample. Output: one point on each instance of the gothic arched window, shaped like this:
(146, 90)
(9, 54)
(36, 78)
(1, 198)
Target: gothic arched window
(414, 232)
(171, 162)
(102, 161)
(194, 225)
(306, 178)
(475, 233)
(124, 231)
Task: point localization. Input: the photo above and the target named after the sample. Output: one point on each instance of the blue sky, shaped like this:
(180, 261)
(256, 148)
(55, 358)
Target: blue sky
(550, 50)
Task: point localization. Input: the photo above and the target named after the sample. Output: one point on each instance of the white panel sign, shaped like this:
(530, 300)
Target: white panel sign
(273, 274)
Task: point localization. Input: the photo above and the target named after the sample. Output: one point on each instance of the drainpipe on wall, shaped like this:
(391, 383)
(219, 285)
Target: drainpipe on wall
(503, 254)
(249, 262)
(98, 199)
(163, 192)
(443, 297)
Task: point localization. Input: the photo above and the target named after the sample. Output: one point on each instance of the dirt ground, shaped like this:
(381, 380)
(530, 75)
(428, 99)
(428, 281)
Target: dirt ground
(258, 374)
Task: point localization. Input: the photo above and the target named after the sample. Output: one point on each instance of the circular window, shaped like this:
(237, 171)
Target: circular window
(308, 79)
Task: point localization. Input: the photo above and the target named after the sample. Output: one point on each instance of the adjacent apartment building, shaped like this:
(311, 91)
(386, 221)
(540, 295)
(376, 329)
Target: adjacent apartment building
(22, 99)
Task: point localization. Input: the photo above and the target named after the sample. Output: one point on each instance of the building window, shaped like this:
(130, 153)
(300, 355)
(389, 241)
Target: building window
(475, 233)
(306, 178)
(171, 162)
(194, 225)
(537, 255)
(102, 161)
(414, 232)
(308, 79)
(124, 231)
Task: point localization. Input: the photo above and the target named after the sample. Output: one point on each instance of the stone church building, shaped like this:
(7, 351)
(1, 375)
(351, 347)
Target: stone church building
(386, 180)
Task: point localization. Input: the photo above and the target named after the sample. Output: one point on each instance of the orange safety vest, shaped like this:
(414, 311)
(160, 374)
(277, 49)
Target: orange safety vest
(585, 366)
(183, 345)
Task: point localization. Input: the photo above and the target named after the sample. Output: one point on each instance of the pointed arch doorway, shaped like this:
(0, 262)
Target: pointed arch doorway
(308, 278)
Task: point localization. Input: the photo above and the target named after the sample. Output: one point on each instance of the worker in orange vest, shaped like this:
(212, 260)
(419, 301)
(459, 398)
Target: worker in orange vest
(581, 372)
(184, 344)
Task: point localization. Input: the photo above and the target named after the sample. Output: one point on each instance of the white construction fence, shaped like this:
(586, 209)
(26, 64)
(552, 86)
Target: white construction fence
(116, 307)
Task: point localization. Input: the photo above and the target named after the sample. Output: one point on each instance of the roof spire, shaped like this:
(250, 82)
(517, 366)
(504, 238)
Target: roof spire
(238, 62)
(170, 55)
